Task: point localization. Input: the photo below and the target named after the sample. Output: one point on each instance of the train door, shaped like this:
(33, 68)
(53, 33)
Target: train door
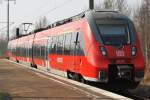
(75, 51)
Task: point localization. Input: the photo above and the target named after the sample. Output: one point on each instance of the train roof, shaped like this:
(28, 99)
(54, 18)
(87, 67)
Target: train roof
(89, 14)
(96, 14)
(105, 14)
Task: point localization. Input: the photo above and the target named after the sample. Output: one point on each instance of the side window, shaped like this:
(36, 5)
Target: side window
(34, 50)
(42, 51)
(38, 51)
(30, 50)
(16, 50)
(20, 50)
(64, 40)
(60, 44)
(50, 40)
(24, 51)
(73, 44)
(80, 46)
(53, 50)
(67, 44)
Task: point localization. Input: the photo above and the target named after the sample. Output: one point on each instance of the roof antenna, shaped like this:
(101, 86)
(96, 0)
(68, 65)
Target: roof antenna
(91, 4)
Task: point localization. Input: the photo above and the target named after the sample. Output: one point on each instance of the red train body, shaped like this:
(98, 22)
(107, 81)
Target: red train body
(99, 46)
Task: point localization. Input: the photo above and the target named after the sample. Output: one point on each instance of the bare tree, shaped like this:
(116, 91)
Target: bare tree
(109, 4)
(123, 7)
(3, 46)
(42, 23)
(141, 18)
(119, 5)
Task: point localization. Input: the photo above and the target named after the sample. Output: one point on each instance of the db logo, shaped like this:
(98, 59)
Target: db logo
(60, 60)
(120, 53)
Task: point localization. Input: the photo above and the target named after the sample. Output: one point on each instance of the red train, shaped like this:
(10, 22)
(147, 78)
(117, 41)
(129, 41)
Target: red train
(99, 46)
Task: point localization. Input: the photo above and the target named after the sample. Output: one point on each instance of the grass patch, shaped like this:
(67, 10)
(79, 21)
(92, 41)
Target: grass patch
(5, 96)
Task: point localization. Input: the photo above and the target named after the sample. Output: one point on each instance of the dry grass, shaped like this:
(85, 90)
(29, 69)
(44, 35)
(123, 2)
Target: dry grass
(143, 89)
(146, 80)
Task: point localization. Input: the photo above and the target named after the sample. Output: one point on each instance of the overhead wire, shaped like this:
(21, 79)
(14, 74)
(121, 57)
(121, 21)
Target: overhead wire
(42, 6)
(53, 9)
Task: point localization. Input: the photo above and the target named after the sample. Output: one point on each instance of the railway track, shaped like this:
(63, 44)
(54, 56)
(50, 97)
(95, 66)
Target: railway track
(133, 96)
(124, 93)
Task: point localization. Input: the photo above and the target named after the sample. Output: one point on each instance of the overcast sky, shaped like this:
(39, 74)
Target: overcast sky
(32, 10)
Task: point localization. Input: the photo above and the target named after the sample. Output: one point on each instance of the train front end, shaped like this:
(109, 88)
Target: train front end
(115, 52)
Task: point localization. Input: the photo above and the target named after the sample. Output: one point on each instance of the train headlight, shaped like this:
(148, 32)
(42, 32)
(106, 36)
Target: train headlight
(103, 51)
(133, 51)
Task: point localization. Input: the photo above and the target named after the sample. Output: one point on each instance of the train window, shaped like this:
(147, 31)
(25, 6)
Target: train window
(27, 49)
(73, 43)
(18, 50)
(34, 50)
(80, 45)
(67, 44)
(39, 51)
(30, 50)
(60, 44)
(53, 50)
(42, 52)
(23, 50)
(46, 52)
(114, 34)
(50, 39)
(64, 40)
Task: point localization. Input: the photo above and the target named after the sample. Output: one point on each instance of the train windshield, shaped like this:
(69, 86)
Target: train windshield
(114, 34)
